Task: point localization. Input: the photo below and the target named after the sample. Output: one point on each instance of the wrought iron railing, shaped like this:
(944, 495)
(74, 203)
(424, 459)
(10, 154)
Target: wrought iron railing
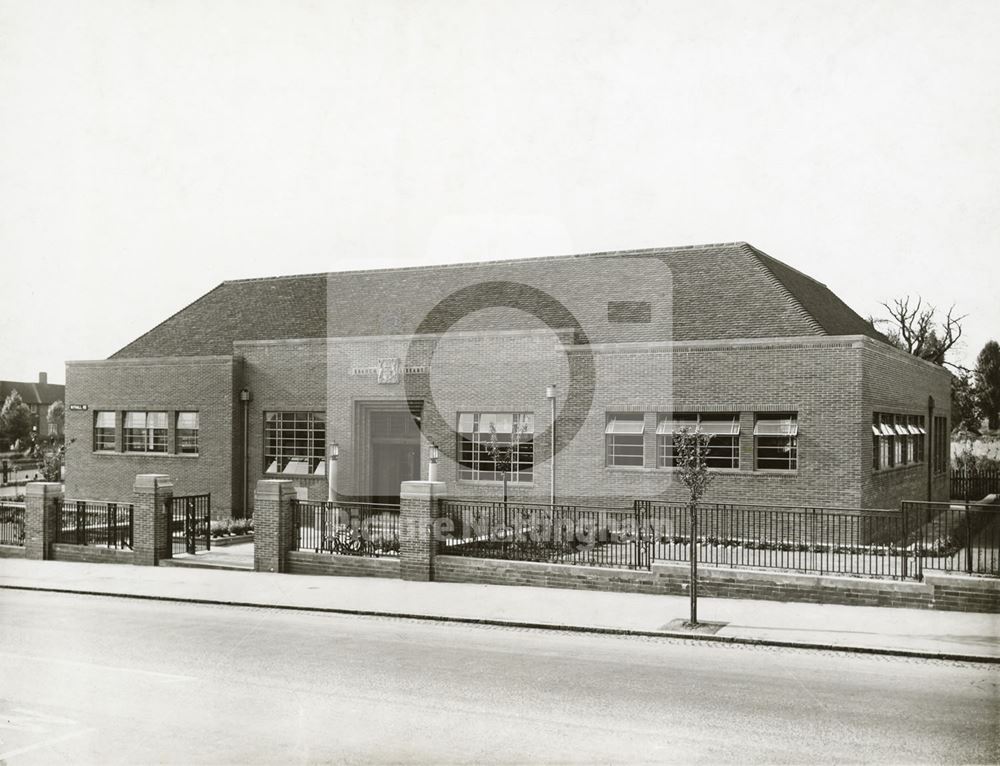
(559, 534)
(11, 523)
(821, 540)
(896, 544)
(90, 522)
(955, 537)
(354, 529)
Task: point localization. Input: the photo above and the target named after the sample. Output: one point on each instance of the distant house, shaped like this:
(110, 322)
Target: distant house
(38, 396)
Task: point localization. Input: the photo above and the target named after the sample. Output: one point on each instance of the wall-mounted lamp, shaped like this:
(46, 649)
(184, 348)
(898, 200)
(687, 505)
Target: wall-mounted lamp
(334, 451)
(245, 395)
(433, 453)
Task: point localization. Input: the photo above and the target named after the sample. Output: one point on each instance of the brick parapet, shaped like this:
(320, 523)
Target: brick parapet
(42, 506)
(273, 515)
(939, 592)
(418, 505)
(151, 497)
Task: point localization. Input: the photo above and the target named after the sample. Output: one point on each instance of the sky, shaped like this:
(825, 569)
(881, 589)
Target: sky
(150, 150)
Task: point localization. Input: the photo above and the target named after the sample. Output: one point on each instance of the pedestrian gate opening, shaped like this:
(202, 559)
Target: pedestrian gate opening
(191, 523)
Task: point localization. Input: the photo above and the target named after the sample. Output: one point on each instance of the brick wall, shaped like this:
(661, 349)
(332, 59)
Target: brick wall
(307, 563)
(91, 554)
(205, 384)
(936, 592)
(12, 552)
(897, 383)
(824, 380)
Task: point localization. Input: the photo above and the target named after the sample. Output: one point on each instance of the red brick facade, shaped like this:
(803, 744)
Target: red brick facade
(314, 344)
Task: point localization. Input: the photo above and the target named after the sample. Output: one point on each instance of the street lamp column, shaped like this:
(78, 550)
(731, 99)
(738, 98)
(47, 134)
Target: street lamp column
(550, 394)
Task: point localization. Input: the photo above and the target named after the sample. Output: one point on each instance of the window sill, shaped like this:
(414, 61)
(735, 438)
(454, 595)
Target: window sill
(107, 453)
(630, 468)
(713, 471)
(303, 476)
(897, 468)
(492, 483)
(774, 472)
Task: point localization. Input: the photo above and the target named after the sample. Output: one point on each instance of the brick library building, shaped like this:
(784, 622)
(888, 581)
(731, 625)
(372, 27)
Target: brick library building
(584, 366)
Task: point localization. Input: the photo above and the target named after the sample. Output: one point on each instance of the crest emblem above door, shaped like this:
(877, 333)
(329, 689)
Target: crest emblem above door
(388, 370)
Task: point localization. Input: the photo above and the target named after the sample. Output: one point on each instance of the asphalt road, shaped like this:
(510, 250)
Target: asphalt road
(92, 679)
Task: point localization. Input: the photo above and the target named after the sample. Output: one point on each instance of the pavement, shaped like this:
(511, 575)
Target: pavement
(907, 632)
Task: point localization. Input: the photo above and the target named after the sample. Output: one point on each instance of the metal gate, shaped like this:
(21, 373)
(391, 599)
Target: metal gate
(644, 534)
(191, 523)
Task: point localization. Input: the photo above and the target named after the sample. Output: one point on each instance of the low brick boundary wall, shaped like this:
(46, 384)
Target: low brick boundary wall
(91, 554)
(12, 552)
(943, 592)
(307, 563)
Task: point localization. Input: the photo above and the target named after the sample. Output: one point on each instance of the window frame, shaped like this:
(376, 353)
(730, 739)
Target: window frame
(472, 440)
(100, 435)
(182, 434)
(313, 445)
(772, 442)
(622, 444)
(729, 444)
(145, 439)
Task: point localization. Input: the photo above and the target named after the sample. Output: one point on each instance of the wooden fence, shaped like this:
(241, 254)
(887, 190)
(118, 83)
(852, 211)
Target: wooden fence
(974, 485)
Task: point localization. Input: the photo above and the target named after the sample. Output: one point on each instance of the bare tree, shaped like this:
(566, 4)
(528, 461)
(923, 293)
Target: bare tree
(988, 383)
(691, 449)
(914, 328)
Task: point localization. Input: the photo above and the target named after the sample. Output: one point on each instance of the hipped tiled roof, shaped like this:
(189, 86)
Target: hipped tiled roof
(33, 393)
(706, 292)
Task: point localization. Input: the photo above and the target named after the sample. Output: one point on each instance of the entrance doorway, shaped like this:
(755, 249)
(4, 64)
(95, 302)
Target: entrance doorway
(394, 449)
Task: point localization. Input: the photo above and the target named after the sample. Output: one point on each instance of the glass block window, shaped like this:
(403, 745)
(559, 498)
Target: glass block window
(145, 431)
(187, 433)
(105, 434)
(623, 440)
(723, 447)
(294, 443)
(515, 434)
(776, 443)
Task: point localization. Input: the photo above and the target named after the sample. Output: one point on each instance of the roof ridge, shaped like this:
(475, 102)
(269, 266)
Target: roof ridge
(160, 324)
(496, 261)
(755, 257)
(760, 253)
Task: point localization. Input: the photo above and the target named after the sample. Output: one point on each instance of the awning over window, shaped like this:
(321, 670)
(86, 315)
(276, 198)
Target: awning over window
(729, 426)
(710, 425)
(888, 430)
(503, 422)
(917, 430)
(675, 424)
(776, 427)
(105, 419)
(624, 425)
(135, 419)
(876, 430)
(902, 430)
(187, 420)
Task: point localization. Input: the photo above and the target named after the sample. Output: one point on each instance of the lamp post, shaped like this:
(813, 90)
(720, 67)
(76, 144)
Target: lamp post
(331, 473)
(432, 464)
(550, 394)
